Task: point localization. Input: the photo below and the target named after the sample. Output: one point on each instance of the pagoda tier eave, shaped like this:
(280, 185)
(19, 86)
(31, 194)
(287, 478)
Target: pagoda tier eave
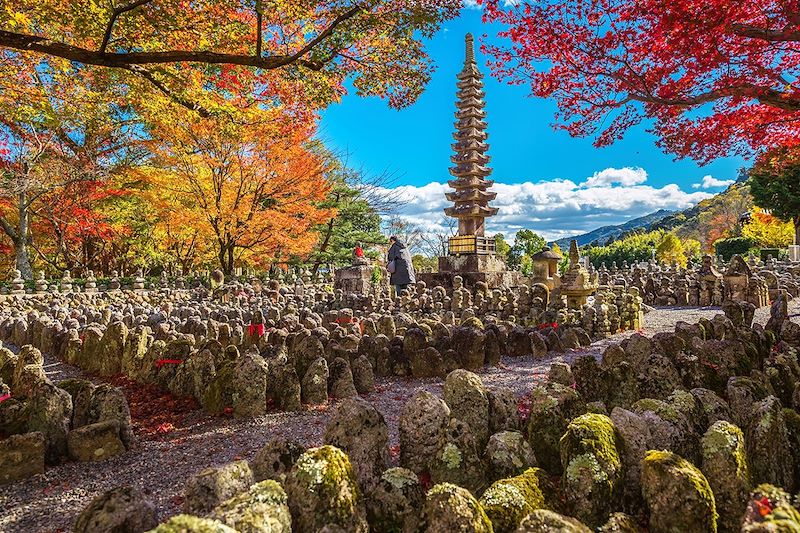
(474, 103)
(470, 112)
(470, 123)
(470, 145)
(466, 195)
(472, 134)
(471, 157)
(472, 211)
(473, 171)
(474, 182)
(469, 71)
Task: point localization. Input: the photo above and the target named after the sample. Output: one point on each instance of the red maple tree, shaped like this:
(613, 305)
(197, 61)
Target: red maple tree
(708, 77)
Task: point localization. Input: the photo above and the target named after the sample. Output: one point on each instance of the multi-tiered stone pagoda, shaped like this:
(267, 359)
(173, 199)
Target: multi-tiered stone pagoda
(471, 197)
(471, 254)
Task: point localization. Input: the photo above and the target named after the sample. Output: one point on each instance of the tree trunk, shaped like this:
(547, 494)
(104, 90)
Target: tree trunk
(323, 248)
(23, 262)
(797, 229)
(23, 259)
(222, 262)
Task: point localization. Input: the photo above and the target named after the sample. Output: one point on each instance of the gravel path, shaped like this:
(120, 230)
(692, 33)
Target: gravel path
(50, 502)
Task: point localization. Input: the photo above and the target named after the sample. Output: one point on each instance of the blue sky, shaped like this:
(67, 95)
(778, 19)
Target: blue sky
(414, 145)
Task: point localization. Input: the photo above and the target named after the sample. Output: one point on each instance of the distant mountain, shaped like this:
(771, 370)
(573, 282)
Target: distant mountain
(722, 209)
(601, 235)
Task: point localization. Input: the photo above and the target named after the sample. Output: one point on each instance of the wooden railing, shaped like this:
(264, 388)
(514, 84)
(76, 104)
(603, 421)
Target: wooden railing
(471, 245)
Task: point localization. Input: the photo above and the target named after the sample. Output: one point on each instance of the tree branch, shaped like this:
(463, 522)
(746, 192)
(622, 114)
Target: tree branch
(146, 74)
(33, 43)
(259, 26)
(114, 15)
(769, 97)
(350, 13)
(9, 229)
(787, 34)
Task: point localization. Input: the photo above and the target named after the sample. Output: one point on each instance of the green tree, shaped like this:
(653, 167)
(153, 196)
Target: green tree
(526, 242)
(501, 246)
(633, 248)
(356, 221)
(424, 264)
(775, 185)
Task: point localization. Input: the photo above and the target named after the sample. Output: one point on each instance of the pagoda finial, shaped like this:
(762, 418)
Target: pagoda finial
(470, 45)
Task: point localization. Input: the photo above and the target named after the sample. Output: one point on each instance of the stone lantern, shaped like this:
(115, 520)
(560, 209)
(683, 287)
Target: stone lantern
(577, 284)
(545, 268)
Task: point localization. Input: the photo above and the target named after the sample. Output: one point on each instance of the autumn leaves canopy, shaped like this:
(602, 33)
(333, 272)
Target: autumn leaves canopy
(182, 131)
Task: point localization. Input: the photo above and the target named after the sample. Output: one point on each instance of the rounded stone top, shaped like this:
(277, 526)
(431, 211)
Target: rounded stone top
(547, 253)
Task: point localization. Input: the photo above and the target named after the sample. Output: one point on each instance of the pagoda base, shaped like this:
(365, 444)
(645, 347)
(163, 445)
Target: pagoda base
(472, 268)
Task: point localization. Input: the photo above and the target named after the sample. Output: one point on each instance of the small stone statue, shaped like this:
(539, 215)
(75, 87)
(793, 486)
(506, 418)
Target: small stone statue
(359, 258)
(41, 283)
(138, 280)
(91, 282)
(66, 282)
(217, 279)
(17, 283)
(114, 283)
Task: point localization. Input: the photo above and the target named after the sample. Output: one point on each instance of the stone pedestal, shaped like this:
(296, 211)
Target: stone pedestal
(794, 253)
(357, 279)
(488, 269)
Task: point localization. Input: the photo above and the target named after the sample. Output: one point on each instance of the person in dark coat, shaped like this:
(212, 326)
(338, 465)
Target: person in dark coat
(400, 256)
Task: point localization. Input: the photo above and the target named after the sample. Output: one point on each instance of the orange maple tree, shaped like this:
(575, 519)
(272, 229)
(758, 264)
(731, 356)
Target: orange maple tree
(251, 188)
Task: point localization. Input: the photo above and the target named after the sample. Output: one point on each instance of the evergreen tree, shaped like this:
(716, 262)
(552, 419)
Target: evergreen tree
(356, 221)
(775, 185)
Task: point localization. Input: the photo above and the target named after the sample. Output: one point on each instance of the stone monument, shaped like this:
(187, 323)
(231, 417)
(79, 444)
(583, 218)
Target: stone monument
(545, 268)
(66, 282)
(471, 254)
(138, 280)
(794, 253)
(361, 277)
(114, 284)
(577, 284)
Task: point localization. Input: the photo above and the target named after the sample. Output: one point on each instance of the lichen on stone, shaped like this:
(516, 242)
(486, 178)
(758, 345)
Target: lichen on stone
(508, 501)
(451, 456)
(400, 477)
(585, 463)
(183, 523)
(677, 493)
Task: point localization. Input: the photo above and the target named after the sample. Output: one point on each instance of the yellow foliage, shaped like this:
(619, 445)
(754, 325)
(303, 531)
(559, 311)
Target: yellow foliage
(670, 250)
(768, 231)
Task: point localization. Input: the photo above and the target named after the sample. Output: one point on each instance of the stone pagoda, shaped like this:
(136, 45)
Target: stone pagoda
(471, 197)
(471, 254)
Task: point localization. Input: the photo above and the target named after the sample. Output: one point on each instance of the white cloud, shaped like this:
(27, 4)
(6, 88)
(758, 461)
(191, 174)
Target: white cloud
(626, 176)
(710, 182)
(555, 208)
